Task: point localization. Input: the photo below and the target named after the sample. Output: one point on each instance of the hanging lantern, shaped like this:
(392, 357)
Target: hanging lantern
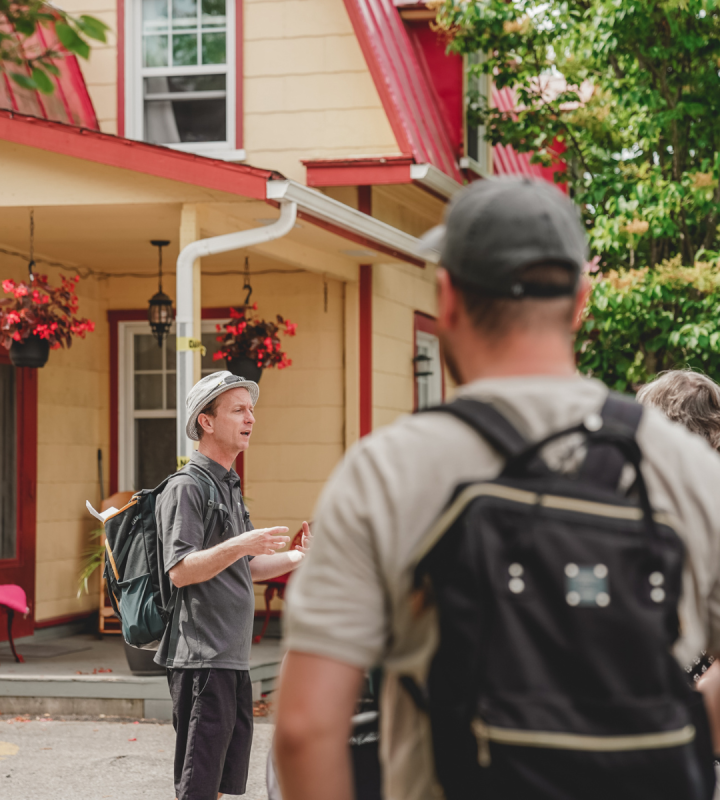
(160, 310)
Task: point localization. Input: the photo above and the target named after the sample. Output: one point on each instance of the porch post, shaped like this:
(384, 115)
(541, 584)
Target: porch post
(188, 322)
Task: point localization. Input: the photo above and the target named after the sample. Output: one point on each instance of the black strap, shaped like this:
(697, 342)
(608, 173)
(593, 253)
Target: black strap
(604, 462)
(488, 422)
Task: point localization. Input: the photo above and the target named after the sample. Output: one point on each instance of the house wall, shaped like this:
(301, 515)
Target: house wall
(308, 90)
(100, 70)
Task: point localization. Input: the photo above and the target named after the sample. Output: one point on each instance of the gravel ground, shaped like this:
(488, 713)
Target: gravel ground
(92, 759)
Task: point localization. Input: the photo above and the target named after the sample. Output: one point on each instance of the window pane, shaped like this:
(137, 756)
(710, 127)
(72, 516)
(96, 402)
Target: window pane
(155, 16)
(147, 353)
(169, 122)
(8, 462)
(213, 48)
(154, 451)
(171, 389)
(184, 13)
(213, 12)
(155, 51)
(148, 392)
(183, 83)
(211, 346)
(185, 52)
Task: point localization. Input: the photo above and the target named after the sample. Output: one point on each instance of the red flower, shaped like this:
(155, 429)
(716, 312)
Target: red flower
(218, 356)
(236, 314)
(8, 286)
(218, 328)
(254, 306)
(21, 290)
(290, 327)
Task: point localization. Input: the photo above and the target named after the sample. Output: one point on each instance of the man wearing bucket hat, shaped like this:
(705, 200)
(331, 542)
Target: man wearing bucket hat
(510, 297)
(214, 569)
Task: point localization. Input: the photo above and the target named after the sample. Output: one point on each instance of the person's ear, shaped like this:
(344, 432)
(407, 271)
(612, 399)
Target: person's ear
(581, 300)
(205, 422)
(449, 301)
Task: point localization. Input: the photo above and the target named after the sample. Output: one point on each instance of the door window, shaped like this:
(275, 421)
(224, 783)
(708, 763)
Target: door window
(148, 403)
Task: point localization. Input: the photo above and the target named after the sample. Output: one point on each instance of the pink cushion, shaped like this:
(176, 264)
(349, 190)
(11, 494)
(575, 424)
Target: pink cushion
(13, 597)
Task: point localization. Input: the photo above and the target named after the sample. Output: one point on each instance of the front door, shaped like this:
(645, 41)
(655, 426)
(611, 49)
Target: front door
(18, 466)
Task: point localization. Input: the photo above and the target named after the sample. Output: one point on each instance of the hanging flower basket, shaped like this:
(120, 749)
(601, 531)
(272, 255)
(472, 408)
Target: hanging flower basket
(39, 318)
(250, 344)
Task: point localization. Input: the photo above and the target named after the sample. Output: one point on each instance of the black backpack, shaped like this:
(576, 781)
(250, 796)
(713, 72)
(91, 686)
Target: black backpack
(140, 592)
(556, 598)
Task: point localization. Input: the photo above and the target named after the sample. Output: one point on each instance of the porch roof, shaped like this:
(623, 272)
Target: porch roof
(128, 185)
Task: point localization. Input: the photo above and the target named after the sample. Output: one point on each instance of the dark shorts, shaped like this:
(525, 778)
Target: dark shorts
(213, 720)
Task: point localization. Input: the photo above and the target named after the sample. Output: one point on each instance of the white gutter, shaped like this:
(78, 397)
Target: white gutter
(322, 207)
(434, 179)
(474, 166)
(184, 300)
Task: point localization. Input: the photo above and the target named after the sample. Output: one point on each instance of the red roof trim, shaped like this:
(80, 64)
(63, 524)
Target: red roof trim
(148, 159)
(408, 99)
(366, 171)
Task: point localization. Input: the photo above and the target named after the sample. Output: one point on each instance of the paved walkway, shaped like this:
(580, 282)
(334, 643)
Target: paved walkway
(43, 759)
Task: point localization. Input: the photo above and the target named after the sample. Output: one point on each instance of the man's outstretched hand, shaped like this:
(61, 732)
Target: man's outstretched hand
(263, 541)
(306, 540)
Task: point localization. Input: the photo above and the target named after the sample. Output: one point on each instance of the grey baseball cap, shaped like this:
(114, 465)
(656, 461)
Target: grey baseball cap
(498, 226)
(210, 387)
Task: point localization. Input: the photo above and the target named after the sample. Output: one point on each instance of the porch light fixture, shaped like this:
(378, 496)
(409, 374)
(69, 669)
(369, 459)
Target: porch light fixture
(160, 311)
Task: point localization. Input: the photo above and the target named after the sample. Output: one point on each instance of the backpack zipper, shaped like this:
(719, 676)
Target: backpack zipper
(484, 734)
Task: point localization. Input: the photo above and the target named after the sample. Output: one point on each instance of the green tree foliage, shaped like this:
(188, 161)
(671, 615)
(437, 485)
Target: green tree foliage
(643, 321)
(24, 57)
(630, 89)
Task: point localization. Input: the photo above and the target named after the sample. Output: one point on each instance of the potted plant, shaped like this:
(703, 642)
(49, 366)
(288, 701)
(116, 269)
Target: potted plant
(39, 318)
(250, 344)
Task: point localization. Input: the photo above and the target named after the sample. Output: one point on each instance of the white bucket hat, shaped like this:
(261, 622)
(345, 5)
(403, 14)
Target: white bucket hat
(210, 387)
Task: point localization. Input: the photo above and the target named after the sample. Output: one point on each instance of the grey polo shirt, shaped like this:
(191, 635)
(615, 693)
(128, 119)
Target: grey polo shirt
(216, 616)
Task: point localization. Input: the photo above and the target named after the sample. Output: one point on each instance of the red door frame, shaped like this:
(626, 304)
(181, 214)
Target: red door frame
(21, 569)
(135, 315)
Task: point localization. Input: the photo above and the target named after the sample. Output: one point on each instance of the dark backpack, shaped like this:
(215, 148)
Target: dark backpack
(556, 598)
(136, 580)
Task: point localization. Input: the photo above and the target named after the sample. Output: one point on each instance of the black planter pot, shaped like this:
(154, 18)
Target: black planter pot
(31, 352)
(141, 661)
(244, 368)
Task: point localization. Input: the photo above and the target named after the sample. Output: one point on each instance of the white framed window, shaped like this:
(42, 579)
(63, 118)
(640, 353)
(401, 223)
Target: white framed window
(428, 370)
(147, 402)
(180, 82)
(478, 151)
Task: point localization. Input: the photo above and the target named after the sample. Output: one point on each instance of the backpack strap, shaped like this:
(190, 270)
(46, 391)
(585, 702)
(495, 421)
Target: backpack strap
(488, 422)
(207, 485)
(604, 462)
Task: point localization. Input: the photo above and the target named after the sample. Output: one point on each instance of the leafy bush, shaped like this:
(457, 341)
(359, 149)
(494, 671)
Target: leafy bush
(642, 321)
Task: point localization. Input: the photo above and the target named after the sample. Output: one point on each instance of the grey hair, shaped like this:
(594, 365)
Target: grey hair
(689, 398)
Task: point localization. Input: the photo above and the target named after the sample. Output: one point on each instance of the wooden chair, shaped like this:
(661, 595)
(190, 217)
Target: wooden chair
(108, 622)
(275, 586)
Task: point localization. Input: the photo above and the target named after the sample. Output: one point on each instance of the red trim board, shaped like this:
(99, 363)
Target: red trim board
(161, 162)
(358, 172)
(53, 622)
(21, 569)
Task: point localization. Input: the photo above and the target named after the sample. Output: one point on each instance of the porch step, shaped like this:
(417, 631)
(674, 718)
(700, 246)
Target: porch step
(51, 685)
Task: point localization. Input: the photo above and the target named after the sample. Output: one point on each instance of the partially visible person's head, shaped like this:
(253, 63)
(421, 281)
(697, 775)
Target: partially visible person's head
(511, 254)
(689, 398)
(220, 408)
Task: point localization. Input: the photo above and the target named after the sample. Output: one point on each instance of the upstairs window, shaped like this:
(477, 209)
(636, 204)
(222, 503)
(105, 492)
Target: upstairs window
(478, 151)
(182, 75)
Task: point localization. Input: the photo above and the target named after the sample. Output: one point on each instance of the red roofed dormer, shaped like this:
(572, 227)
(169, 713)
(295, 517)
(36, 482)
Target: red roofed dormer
(69, 103)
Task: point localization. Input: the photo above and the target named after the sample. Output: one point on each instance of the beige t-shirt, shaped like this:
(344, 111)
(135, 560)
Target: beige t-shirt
(349, 601)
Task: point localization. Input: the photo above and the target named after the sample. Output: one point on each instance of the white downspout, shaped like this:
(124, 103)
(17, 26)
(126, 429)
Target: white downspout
(184, 300)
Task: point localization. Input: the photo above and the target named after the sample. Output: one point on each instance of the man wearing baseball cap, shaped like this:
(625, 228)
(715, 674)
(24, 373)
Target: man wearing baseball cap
(511, 294)
(214, 570)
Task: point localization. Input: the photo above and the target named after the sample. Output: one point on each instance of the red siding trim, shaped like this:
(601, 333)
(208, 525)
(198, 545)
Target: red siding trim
(239, 74)
(161, 162)
(363, 172)
(121, 67)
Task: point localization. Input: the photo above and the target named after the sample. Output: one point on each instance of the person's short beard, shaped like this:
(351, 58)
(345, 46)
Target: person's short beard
(449, 359)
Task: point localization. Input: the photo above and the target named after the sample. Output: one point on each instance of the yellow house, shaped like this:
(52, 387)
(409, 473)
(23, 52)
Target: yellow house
(323, 136)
